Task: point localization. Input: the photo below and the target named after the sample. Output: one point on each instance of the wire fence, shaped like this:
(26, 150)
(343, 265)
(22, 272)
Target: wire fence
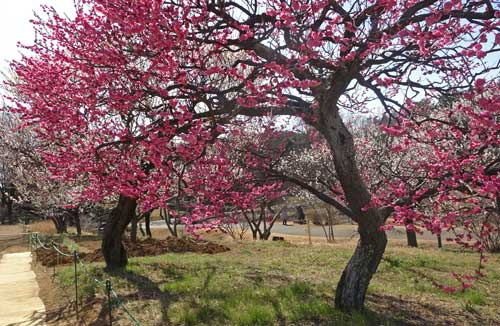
(113, 298)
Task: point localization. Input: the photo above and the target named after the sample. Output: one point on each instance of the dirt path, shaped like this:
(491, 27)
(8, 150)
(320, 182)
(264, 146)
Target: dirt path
(19, 301)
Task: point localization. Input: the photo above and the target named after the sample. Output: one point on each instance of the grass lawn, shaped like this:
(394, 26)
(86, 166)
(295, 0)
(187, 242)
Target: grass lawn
(271, 283)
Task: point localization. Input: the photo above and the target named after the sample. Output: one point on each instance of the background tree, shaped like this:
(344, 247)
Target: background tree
(26, 179)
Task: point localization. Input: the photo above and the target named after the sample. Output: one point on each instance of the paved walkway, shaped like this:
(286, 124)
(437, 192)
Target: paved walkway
(19, 301)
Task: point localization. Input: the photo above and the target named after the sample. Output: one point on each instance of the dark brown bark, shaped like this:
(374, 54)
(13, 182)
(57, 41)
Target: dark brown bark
(411, 236)
(76, 219)
(351, 289)
(440, 243)
(10, 215)
(258, 224)
(133, 229)
(147, 221)
(60, 222)
(112, 247)
(254, 234)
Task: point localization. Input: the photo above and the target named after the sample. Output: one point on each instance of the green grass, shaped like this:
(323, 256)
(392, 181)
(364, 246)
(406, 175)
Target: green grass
(70, 244)
(268, 283)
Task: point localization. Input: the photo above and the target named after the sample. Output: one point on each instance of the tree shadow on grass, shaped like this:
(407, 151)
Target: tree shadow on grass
(199, 299)
(391, 310)
(147, 289)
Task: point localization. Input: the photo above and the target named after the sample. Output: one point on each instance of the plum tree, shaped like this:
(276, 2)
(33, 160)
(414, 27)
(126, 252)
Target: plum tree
(127, 88)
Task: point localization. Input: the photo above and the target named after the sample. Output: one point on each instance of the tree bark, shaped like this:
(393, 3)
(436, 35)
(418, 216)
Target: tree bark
(440, 243)
(172, 226)
(76, 219)
(411, 236)
(133, 230)
(112, 247)
(147, 221)
(351, 289)
(60, 222)
(353, 284)
(10, 214)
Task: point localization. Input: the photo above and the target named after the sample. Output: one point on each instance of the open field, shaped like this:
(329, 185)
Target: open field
(272, 283)
(339, 231)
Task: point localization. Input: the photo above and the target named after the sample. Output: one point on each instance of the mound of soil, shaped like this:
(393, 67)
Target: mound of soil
(51, 258)
(188, 245)
(147, 247)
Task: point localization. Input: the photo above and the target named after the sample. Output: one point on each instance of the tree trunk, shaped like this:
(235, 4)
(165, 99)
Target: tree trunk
(147, 221)
(353, 284)
(60, 223)
(265, 235)
(172, 226)
(112, 247)
(411, 236)
(140, 229)
(351, 289)
(254, 234)
(76, 219)
(133, 230)
(10, 214)
(440, 244)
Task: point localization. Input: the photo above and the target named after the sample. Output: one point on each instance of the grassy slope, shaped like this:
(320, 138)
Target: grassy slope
(269, 283)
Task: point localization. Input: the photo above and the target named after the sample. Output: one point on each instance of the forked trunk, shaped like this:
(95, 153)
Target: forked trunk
(353, 284)
(254, 234)
(112, 247)
(60, 222)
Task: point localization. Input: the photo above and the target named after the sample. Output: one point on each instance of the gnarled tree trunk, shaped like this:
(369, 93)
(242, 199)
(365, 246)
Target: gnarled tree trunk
(60, 222)
(353, 284)
(351, 289)
(112, 247)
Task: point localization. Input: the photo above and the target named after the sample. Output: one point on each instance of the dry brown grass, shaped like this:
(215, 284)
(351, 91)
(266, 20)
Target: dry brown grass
(246, 285)
(10, 229)
(46, 227)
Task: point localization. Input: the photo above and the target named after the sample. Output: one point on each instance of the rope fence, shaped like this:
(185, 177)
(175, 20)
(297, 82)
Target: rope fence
(112, 297)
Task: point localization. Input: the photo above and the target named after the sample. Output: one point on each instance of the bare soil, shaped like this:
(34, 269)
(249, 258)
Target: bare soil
(60, 303)
(146, 247)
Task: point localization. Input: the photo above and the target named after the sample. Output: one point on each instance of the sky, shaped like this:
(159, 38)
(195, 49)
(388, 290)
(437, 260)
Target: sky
(15, 26)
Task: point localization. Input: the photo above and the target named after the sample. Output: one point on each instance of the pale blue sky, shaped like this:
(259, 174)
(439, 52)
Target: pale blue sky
(15, 26)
